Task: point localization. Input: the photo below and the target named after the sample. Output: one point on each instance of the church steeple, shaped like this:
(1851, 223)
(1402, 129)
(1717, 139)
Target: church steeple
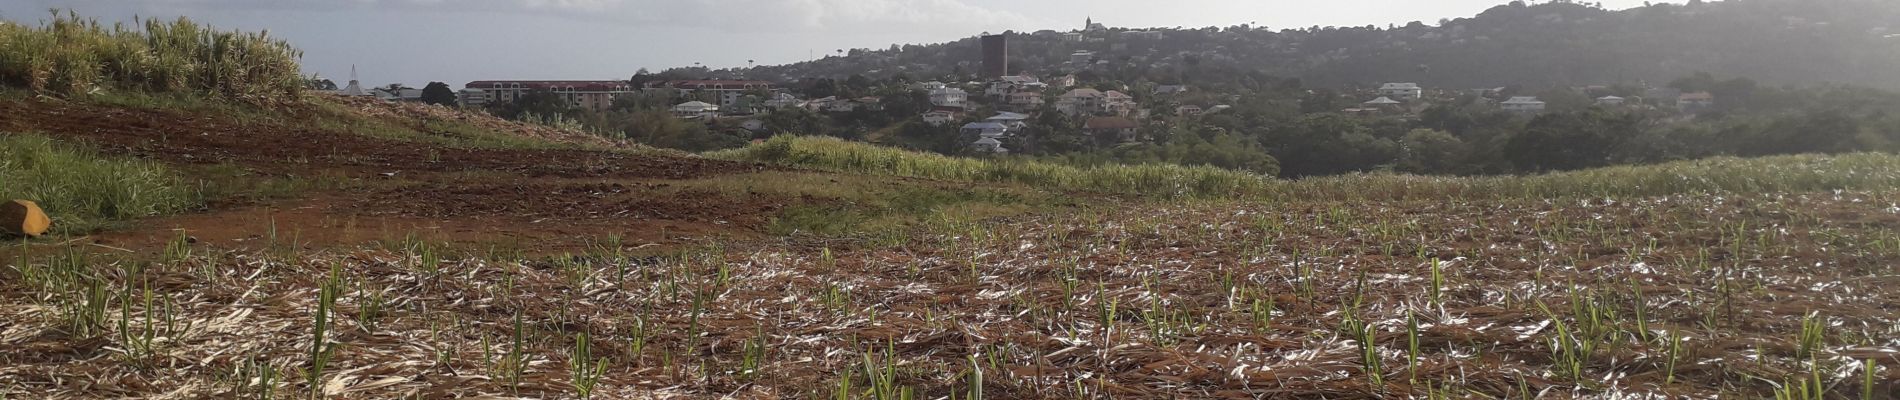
(1088, 23)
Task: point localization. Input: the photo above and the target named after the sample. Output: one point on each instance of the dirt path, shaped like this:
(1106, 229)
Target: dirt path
(541, 199)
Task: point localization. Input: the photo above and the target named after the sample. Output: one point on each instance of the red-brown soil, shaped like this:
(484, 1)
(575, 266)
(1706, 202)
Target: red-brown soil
(546, 199)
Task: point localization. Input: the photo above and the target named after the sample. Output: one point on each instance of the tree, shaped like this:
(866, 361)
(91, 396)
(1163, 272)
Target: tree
(320, 84)
(537, 104)
(438, 93)
(1426, 151)
(1571, 140)
(796, 121)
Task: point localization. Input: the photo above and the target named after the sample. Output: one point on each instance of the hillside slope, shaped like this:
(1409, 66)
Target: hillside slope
(1560, 43)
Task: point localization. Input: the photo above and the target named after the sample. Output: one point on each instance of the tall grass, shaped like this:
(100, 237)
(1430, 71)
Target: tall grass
(1168, 181)
(1795, 173)
(72, 55)
(82, 189)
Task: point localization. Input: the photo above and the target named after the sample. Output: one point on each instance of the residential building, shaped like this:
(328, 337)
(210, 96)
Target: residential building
(1119, 128)
(1188, 110)
(1082, 59)
(1695, 102)
(985, 129)
(872, 103)
(988, 145)
(1382, 104)
(592, 95)
(1402, 91)
(1525, 104)
(940, 117)
(473, 98)
(782, 100)
(1013, 121)
(754, 125)
(948, 97)
(695, 109)
(1062, 82)
(1171, 89)
(1090, 101)
(928, 86)
(1024, 101)
(724, 92)
(1075, 37)
(1610, 101)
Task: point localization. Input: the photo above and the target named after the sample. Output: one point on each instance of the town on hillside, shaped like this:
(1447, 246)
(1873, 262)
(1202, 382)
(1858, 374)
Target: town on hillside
(1113, 98)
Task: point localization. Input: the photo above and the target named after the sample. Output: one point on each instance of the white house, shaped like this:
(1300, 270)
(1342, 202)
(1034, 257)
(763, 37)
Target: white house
(988, 145)
(1610, 101)
(948, 97)
(940, 117)
(782, 100)
(1009, 119)
(1525, 104)
(755, 125)
(1402, 91)
(1024, 101)
(472, 97)
(695, 109)
(1171, 89)
(1383, 102)
(985, 129)
(928, 86)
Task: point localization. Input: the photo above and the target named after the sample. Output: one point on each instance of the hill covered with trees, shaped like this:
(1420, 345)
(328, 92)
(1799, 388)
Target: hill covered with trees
(1558, 43)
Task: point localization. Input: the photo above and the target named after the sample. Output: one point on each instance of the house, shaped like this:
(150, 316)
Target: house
(1013, 121)
(872, 103)
(1090, 101)
(1695, 102)
(988, 145)
(1082, 58)
(985, 129)
(1119, 128)
(1188, 110)
(1080, 101)
(1118, 103)
(782, 100)
(928, 86)
(728, 92)
(1072, 37)
(1012, 84)
(824, 104)
(1524, 104)
(1063, 82)
(1402, 91)
(592, 95)
(1218, 108)
(695, 109)
(948, 97)
(940, 117)
(1024, 101)
(1383, 102)
(1171, 89)
(755, 125)
(1610, 101)
(398, 94)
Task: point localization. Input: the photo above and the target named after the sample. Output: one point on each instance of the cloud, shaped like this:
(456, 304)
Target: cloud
(721, 15)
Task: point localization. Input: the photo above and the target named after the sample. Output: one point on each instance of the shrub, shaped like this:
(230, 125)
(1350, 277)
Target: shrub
(71, 55)
(83, 190)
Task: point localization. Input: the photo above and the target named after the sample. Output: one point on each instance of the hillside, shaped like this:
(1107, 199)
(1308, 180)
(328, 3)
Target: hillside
(253, 242)
(1551, 44)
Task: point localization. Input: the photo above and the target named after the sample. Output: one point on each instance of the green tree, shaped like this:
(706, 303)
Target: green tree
(1572, 140)
(438, 93)
(1426, 151)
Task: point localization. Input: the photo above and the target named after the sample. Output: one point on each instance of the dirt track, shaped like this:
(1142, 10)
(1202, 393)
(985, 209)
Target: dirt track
(475, 195)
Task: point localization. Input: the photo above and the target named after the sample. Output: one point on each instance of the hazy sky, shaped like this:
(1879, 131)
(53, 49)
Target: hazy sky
(456, 41)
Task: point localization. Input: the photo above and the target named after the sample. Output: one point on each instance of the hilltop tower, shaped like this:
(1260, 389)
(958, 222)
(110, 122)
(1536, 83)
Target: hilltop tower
(996, 55)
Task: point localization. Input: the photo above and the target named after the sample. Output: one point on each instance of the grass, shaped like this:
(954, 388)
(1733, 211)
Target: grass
(71, 55)
(1165, 181)
(83, 190)
(1779, 174)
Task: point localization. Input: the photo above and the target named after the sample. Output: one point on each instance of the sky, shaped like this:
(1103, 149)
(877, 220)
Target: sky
(457, 41)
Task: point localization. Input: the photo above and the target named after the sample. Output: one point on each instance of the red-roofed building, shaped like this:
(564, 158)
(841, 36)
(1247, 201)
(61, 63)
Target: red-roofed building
(592, 95)
(729, 91)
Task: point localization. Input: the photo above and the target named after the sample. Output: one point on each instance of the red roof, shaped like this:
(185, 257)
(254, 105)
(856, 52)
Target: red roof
(710, 84)
(577, 85)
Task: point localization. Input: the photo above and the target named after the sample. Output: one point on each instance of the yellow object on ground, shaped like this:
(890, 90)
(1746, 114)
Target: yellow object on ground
(23, 218)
